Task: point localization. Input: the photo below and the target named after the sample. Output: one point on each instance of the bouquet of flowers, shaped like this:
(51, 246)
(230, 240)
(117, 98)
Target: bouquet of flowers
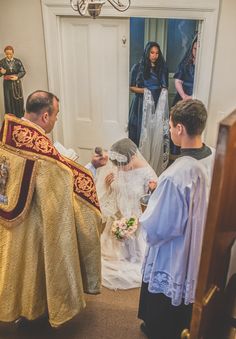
(124, 228)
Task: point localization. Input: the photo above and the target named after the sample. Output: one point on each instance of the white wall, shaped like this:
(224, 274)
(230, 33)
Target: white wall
(223, 90)
(21, 26)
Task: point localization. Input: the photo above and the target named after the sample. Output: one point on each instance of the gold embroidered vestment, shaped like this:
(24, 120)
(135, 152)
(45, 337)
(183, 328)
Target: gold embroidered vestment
(49, 228)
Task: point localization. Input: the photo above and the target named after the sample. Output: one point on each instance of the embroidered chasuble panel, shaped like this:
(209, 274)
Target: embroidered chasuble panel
(49, 233)
(23, 136)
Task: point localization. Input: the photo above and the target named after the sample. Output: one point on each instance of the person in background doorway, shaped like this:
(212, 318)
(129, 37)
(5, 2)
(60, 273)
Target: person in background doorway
(184, 81)
(149, 113)
(184, 76)
(150, 73)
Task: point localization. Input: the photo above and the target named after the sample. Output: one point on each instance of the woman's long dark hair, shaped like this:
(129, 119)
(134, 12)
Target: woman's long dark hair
(145, 63)
(188, 57)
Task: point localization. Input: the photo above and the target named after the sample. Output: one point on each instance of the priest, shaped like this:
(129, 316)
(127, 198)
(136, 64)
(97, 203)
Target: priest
(49, 221)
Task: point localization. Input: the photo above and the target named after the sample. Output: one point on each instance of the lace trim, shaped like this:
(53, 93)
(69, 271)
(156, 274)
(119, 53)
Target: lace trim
(162, 282)
(154, 139)
(117, 156)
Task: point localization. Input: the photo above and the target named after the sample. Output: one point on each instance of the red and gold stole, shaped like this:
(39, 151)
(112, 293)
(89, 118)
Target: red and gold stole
(22, 135)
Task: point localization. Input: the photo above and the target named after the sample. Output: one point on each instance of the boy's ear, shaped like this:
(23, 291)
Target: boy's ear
(180, 129)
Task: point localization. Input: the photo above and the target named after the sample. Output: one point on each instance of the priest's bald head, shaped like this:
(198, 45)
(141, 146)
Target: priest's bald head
(42, 108)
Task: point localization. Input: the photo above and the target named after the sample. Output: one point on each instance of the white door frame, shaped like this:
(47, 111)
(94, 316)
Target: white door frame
(205, 10)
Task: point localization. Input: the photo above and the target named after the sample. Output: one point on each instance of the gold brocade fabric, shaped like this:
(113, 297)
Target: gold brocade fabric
(22, 135)
(52, 256)
(16, 169)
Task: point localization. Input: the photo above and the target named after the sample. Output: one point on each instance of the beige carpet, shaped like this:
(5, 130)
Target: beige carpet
(112, 314)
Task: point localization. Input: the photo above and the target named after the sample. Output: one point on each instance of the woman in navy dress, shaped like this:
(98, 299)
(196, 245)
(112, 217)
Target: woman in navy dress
(184, 76)
(184, 80)
(151, 73)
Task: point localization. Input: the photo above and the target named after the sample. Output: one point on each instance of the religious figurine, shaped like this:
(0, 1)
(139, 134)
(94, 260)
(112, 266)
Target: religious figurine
(12, 71)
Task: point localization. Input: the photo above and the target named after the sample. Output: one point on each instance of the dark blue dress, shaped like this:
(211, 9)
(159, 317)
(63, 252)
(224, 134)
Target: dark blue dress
(154, 84)
(185, 72)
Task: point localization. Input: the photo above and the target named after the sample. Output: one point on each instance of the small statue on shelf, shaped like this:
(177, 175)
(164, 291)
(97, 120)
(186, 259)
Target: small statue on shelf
(12, 71)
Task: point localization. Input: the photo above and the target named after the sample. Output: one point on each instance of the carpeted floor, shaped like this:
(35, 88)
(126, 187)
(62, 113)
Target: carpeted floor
(110, 315)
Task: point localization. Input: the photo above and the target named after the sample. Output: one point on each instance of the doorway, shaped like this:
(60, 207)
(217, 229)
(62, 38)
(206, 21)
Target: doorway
(174, 37)
(205, 11)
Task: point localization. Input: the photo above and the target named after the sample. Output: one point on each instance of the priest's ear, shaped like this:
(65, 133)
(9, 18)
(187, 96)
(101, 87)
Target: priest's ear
(45, 117)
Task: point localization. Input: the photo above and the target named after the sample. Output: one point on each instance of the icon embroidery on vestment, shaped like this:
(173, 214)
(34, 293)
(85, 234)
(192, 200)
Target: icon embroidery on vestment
(4, 174)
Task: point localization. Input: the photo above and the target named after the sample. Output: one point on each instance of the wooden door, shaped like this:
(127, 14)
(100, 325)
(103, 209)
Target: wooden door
(95, 79)
(209, 313)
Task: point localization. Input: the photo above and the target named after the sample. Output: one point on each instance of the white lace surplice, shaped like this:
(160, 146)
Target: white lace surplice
(174, 225)
(122, 260)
